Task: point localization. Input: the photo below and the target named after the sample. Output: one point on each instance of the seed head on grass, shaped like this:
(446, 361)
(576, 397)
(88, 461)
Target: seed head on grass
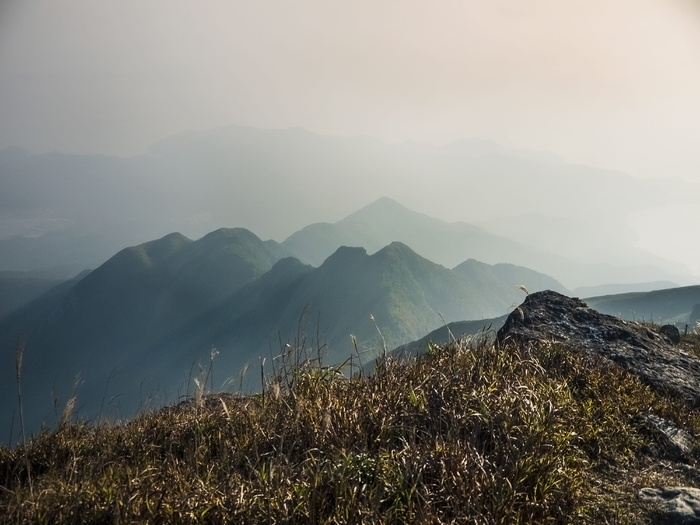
(67, 413)
(384, 347)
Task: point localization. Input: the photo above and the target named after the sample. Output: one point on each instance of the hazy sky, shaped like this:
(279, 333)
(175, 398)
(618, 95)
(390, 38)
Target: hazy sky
(609, 83)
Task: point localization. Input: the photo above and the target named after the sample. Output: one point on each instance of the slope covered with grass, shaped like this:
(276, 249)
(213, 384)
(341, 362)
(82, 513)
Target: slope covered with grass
(465, 433)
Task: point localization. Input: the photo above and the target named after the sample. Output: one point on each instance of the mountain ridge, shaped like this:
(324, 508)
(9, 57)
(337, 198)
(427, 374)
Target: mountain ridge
(386, 220)
(155, 309)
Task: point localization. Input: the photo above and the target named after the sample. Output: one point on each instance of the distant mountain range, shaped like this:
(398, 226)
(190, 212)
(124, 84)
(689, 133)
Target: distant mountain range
(135, 331)
(372, 227)
(670, 306)
(569, 221)
(385, 220)
(135, 328)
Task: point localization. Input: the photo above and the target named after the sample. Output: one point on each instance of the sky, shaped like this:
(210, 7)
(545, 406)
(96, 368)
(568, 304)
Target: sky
(609, 84)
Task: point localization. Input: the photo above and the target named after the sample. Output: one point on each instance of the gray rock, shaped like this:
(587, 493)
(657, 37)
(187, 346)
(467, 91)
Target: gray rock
(675, 442)
(678, 504)
(671, 333)
(550, 316)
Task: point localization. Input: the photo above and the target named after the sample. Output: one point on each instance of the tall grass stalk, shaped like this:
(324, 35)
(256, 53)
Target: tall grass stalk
(384, 347)
(19, 356)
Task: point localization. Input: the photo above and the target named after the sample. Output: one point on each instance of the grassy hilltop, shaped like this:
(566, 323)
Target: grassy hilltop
(466, 433)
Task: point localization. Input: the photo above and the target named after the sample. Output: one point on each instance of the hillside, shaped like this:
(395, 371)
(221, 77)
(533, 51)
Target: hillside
(93, 331)
(536, 433)
(20, 288)
(474, 331)
(406, 294)
(661, 306)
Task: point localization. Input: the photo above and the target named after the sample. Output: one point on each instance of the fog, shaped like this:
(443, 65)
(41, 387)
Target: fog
(608, 85)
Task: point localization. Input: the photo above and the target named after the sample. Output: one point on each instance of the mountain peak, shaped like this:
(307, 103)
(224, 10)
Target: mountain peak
(284, 271)
(396, 249)
(384, 204)
(387, 201)
(149, 253)
(345, 255)
(385, 211)
(230, 233)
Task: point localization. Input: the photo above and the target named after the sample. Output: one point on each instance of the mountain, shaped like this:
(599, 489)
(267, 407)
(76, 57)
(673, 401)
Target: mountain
(616, 289)
(660, 306)
(100, 325)
(385, 220)
(136, 328)
(406, 294)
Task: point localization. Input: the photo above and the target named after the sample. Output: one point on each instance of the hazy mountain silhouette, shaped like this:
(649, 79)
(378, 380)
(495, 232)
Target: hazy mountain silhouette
(616, 289)
(385, 220)
(195, 182)
(659, 306)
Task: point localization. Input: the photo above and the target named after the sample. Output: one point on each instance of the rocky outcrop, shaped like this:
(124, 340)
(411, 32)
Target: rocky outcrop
(638, 348)
(653, 355)
(671, 333)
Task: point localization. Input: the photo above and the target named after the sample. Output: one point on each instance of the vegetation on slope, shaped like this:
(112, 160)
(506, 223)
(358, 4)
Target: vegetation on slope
(465, 433)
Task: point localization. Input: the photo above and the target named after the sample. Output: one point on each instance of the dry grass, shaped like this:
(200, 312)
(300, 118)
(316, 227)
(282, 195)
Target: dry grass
(463, 434)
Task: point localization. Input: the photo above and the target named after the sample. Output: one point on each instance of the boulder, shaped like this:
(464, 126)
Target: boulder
(550, 316)
(677, 504)
(671, 333)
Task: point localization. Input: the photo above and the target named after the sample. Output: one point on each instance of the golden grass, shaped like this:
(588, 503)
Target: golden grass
(463, 434)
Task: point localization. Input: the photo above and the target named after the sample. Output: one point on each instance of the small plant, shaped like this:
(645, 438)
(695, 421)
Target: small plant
(205, 375)
(19, 356)
(384, 347)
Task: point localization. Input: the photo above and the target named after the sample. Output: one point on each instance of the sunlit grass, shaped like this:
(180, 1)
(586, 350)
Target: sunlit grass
(464, 434)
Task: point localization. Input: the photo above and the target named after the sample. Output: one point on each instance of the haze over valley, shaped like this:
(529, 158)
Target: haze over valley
(79, 210)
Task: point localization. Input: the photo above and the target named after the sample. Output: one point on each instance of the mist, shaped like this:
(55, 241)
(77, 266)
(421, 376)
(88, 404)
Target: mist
(581, 119)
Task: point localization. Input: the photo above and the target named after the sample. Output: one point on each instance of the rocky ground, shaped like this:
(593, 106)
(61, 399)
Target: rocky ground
(655, 355)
